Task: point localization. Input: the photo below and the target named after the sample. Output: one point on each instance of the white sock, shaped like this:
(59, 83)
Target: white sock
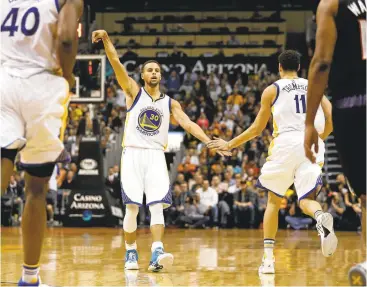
(131, 246)
(157, 244)
(268, 248)
(30, 274)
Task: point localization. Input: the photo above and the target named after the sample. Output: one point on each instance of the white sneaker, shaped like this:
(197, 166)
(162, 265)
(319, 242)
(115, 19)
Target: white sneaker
(160, 260)
(324, 226)
(267, 266)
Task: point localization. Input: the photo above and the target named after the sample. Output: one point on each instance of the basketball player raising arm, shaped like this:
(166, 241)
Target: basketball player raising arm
(143, 164)
(151, 76)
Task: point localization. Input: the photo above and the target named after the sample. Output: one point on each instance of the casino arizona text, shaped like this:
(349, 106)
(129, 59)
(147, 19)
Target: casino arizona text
(93, 202)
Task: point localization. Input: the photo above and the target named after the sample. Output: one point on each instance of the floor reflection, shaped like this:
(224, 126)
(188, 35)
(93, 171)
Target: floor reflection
(136, 278)
(95, 257)
(267, 280)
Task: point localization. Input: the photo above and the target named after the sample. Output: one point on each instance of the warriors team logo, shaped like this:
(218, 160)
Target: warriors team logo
(149, 121)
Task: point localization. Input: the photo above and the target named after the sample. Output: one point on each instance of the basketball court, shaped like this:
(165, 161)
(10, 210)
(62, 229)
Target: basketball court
(95, 257)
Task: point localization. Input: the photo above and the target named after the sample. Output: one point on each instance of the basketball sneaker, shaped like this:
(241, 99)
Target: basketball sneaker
(267, 266)
(357, 275)
(160, 260)
(38, 283)
(324, 226)
(131, 260)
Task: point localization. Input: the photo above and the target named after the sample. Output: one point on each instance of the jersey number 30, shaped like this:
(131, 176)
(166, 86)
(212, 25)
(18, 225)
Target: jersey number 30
(10, 22)
(301, 99)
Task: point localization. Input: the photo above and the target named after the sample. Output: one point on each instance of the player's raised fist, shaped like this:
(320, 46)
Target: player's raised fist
(98, 35)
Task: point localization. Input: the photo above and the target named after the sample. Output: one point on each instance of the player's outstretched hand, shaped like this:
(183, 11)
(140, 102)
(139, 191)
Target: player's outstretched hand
(311, 139)
(219, 144)
(98, 35)
(223, 153)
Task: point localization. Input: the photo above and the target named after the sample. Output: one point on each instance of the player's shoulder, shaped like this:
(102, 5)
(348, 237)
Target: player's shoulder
(174, 103)
(302, 81)
(279, 83)
(270, 94)
(273, 88)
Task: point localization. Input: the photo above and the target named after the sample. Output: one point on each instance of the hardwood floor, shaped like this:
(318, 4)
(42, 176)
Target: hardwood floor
(95, 257)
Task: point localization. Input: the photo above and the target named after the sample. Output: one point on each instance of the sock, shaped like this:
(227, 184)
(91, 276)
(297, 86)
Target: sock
(268, 248)
(157, 244)
(30, 273)
(317, 214)
(131, 246)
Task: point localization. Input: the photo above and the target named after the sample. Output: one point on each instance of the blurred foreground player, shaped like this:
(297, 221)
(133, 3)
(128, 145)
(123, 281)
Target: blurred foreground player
(143, 164)
(39, 45)
(341, 51)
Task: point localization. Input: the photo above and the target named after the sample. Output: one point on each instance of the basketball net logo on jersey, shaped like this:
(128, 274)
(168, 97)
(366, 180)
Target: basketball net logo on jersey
(149, 121)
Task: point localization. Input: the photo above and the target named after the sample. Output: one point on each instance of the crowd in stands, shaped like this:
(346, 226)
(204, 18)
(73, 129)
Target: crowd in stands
(209, 191)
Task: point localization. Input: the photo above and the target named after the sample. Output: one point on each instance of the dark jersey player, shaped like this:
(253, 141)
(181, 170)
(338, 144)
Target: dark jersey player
(340, 57)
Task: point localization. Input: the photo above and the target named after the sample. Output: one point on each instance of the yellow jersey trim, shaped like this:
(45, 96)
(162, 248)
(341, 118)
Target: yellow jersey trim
(126, 122)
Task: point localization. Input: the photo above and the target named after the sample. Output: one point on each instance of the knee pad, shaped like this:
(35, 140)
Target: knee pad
(10, 154)
(39, 170)
(156, 214)
(130, 224)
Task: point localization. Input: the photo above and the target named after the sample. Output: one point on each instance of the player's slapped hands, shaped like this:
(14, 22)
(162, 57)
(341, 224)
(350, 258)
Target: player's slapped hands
(191, 127)
(219, 144)
(223, 152)
(99, 35)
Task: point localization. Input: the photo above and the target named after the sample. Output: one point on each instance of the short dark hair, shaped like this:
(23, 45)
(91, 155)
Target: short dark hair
(148, 62)
(290, 60)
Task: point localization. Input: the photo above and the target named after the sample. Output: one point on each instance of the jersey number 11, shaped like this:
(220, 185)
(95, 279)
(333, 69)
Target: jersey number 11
(301, 98)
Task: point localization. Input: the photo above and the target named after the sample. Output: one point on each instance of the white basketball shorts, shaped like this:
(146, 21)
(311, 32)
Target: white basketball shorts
(33, 116)
(287, 164)
(145, 171)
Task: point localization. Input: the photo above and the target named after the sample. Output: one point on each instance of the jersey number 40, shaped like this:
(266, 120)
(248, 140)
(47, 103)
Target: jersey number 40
(10, 23)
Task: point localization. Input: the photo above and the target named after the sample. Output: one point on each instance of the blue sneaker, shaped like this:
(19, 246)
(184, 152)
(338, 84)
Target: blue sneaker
(160, 260)
(38, 283)
(131, 260)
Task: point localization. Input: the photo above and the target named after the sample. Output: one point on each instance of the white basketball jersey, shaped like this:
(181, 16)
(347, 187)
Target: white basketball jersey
(289, 107)
(147, 122)
(28, 29)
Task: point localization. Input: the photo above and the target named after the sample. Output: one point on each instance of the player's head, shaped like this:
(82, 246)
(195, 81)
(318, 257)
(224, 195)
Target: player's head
(151, 73)
(289, 61)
